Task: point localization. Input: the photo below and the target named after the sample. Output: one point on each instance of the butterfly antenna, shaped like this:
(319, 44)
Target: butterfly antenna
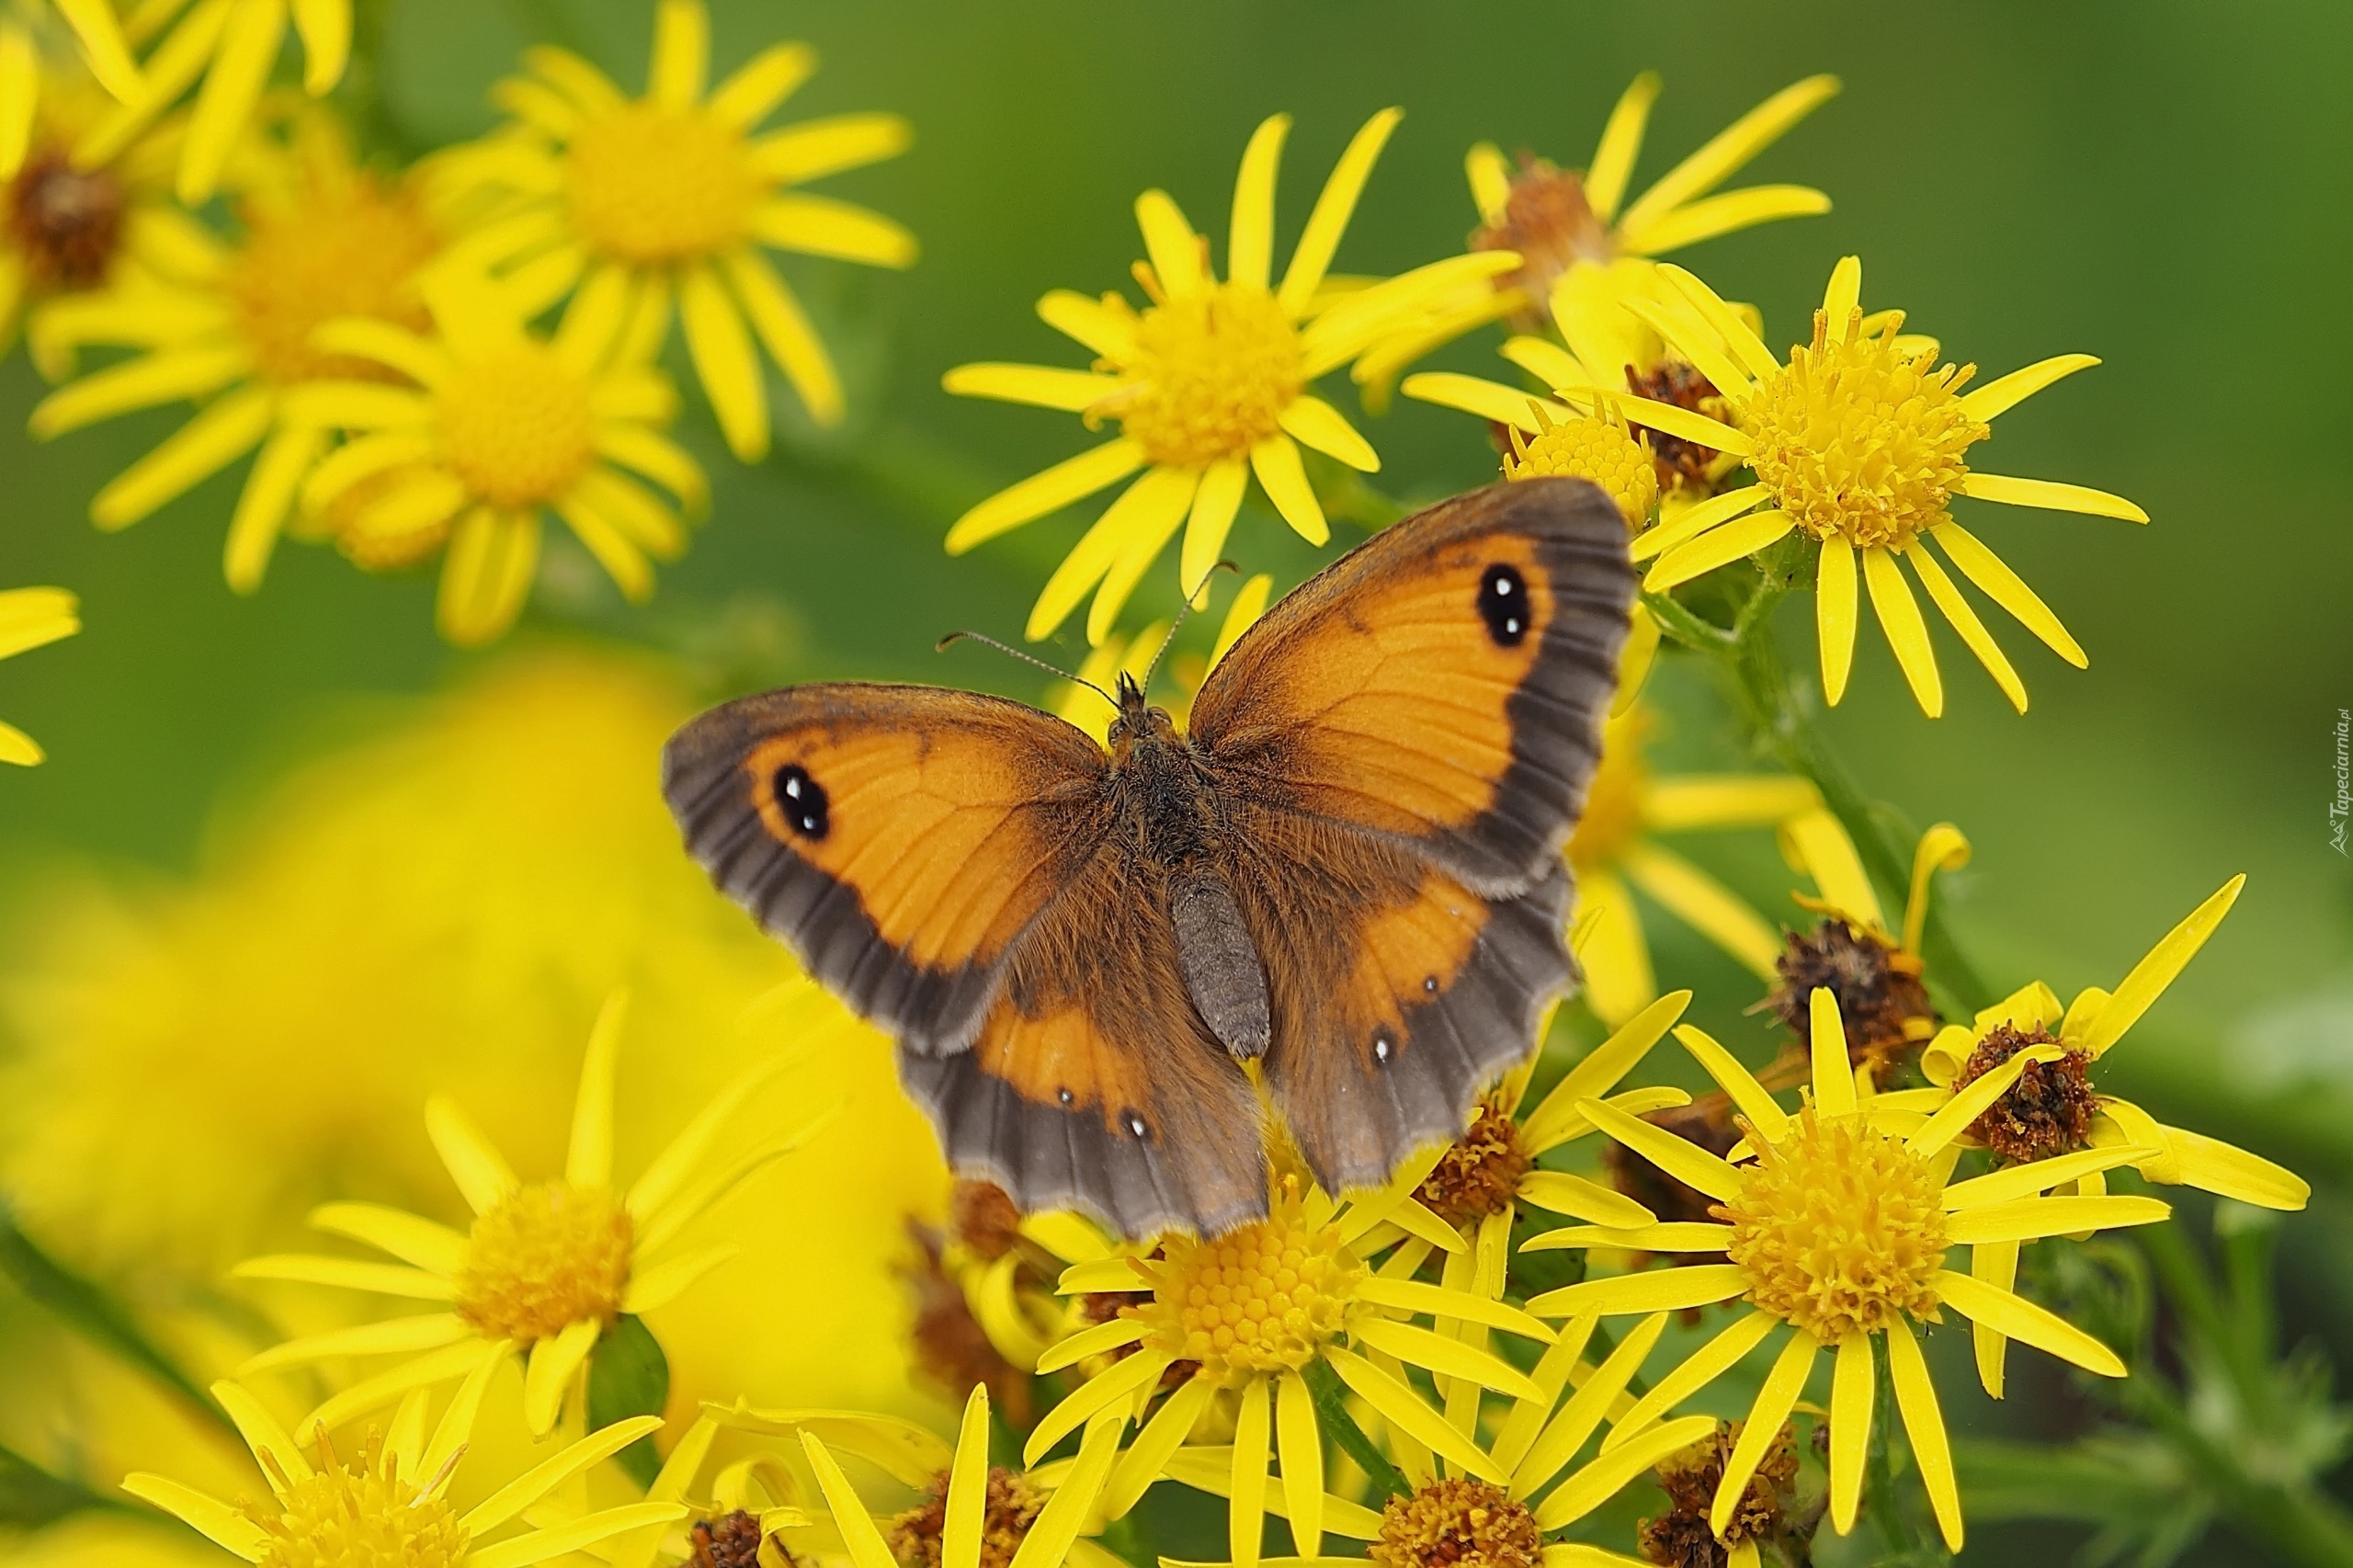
(953, 637)
(1182, 611)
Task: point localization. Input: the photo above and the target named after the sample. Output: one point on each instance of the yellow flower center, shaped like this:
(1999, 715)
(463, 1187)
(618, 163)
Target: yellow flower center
(1264, 1298)
(650, 184)
(1212, 376)
(1838, 1228)
(1863, 438)
(548, 1254)
(517, 427)
(367, 1517)
(1597, 447)
(1613, 801)
(352, 250)
(1457, 1523)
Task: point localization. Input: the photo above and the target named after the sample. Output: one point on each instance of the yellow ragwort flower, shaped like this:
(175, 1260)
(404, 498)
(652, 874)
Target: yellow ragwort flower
(28, 619)
(1614, 851)
(1835, 1221)
(1859, 443)
(547, 1267)
(498, 426)
(234, 45)
(1583, 247)
(387, 1505)
(1249, 1311)
(1208, 383)
(2054, 1108)
(677, 194)
(231, 325)
(27, 83)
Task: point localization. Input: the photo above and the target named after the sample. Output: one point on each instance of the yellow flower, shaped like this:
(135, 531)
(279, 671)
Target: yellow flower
(30, 618)
(232, 44)
(26, 86)
(1859, 443)
(1582, 246)
(498, 426)
(548, 1266)
(1614, 851)
(2054, 1110)
(68, 227)
(387, 1504)
(1252, 1313)
(675, 194)
(1836, 1222)
(232, 325)
(338, 929)
(1481, 1179)
(1208, 383)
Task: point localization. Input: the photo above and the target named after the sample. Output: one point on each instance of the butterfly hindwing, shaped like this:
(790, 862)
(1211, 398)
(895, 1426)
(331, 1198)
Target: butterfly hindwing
(1443, 683)
(899, 839)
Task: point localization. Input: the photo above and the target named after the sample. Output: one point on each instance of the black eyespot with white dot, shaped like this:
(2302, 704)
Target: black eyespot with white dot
(802, 800)
(1383, 1046)
(1136, 1125)
(1065, 1095)
(1502, 605)
(1429, 984)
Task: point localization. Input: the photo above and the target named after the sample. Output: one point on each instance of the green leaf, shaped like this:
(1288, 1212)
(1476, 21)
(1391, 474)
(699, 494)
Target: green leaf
(628, 1375)
(31, 1498)
(89, 1312)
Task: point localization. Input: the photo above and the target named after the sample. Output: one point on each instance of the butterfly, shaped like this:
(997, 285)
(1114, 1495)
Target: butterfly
(1346, 871)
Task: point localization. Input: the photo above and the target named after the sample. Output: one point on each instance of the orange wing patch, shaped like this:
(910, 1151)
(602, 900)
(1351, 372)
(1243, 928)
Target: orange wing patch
(900, 838)
(1444, 683)
(1405, 952)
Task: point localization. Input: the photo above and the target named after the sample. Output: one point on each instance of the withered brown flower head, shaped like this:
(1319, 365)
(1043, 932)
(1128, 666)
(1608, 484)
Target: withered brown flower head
(1681, 1537)
(1481, 1171)
(981, 1216)
(731, 1540)
(950, 1345)
(1881, 997)
(1011, 1509)
(1706, 1121)
(1679, 461)
(1549, 221)
(66, 221)
(2047, 1111)
(1457, 1521)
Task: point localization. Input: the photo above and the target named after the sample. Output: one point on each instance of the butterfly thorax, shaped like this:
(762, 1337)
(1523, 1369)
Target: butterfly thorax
(1160, 791)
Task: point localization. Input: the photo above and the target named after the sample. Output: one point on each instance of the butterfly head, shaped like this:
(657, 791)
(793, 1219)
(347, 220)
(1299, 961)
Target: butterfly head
(1138, 720)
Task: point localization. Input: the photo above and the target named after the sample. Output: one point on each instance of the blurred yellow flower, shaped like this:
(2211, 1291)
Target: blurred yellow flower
(1208, 383)
(488, 869)
(1581, 243)
(30, 618)
(676, 193)
(232, 44)
(498, 426)
(1857, 442)
(1613, 852)
(231, 325)
(68, 227)
(387, 1504)
(1835, 1221)
(28, 82)
(545, 1268)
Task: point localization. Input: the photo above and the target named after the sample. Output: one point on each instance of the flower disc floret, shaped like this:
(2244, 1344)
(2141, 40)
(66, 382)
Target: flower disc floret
(1592, 446)
(546, 1255)
(1456, 1522)
(364, 1517)
(650, 184)
(1839, 1228)
(1213, 372)
(519, 426)
(1480, 1172)
(352, 252)
(1265, 1298)
(1862, 439)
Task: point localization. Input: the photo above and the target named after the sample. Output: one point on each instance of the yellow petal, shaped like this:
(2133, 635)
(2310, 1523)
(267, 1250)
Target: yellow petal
(1174, 249)
(1752, 1098)
(209, 1517)
(1566, 1432)
(1246, 1515)
(1250, 244)
(861, 1537)
(723, 360)
(1723, 153)
(1842, 299)
(2033, 1218)
(786, 334)
(1397, 1404)
(1899, 617)
(2004, 587)
(1724, 214)
(1163, 497)
(474, 1162)
(1941, 848)
(216, 437)
(1050, 490)
(1705, 904)
(1489, 176)
(232, 86)
(1695, 1371)
(1850, 1428)
(1774, 1402)
(1284, 479)
(2048, 494)
(2039, 1175)
(1622, 139)
(2212, 1165)
(2004, 392)
(816, 148)
(1924, 1424)
(1333, 207)
(1834, 1084)
(1745, 536)
(1834, 616)
(2023, 1320)
(1964, 620)
(1310, 419)
(1073, 392)
(1678, 1157)
(1669, 1289)
(967, 1479)
(760, 84)
(1488, 400)
(2139, 990)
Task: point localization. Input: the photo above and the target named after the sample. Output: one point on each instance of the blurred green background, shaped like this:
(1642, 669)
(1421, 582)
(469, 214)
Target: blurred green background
(2167, 186)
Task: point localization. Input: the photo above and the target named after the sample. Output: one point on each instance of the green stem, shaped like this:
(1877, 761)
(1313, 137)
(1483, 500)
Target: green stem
(1332, 1412)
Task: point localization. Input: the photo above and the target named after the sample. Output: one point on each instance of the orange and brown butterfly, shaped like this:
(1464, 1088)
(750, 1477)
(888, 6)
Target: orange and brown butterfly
(1348, 871)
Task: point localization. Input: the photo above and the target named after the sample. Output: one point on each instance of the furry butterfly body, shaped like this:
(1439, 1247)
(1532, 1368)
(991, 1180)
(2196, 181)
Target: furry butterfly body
(1347, 870)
